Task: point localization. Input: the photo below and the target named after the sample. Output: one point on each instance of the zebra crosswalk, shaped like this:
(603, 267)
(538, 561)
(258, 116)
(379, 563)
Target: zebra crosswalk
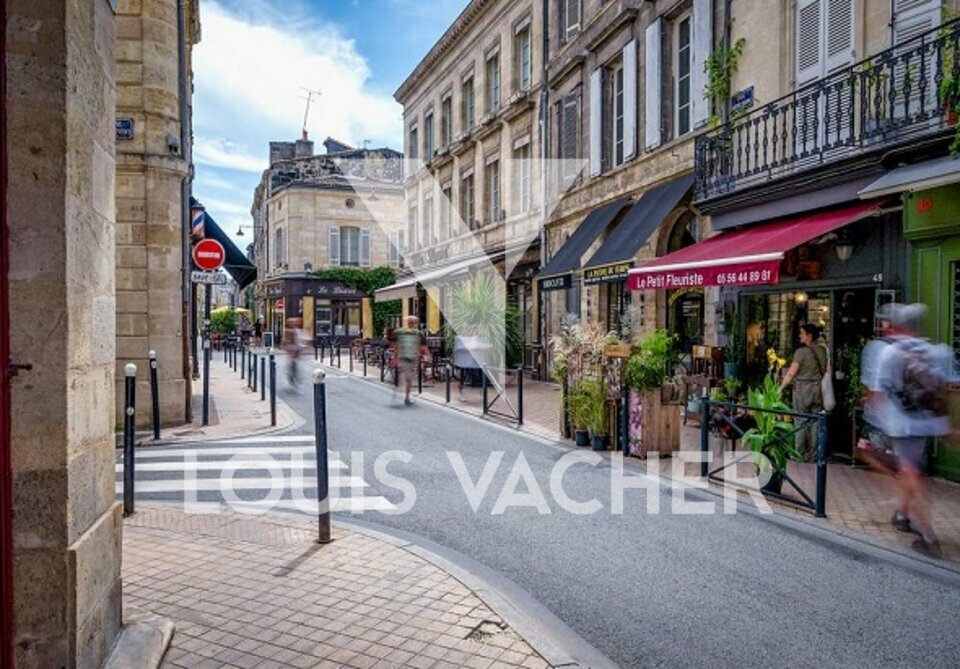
(247, 474)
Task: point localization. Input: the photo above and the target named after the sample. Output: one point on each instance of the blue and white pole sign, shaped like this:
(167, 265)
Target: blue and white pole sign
(124, 128)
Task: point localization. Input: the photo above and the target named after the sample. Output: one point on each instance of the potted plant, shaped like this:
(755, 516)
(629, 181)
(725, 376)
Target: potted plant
(578, 408)
(732, 353)
(595, 397)
(653, 426)
(772, 436)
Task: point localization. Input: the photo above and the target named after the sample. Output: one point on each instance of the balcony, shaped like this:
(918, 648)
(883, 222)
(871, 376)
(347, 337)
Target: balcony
(899, 97)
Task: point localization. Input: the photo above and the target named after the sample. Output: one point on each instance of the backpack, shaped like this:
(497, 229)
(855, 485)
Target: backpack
(923, 386)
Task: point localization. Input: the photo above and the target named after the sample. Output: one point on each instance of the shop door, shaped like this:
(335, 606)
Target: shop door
(346, 320)
(853, 327)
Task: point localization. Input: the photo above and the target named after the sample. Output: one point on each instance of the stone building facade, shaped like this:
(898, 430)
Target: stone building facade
(154, 91)
(342, 208)
(57, 442)
(626, 93)
(471, 114)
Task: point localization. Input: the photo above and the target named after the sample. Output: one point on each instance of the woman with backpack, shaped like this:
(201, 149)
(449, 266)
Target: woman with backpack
(810, 364)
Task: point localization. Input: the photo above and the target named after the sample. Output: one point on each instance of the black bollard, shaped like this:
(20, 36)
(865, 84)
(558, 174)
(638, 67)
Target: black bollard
(263, 378)
(383, 366)
(448, 375)
(255, 378)
(820, 510)
(419, 376)
(483, 372)
(206, 382)
(226, 352)
(519, 396)
(323, 474)
(350, 358)
(129, 421)
(704, 434)
(243, 363)
(154, 394)
(315, 351)
(273, 389)
(364, 362)
(339, 366)
(624, 420)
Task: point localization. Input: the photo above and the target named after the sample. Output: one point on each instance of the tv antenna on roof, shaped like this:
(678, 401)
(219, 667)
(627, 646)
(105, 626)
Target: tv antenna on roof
(311, 94)
(366, 144)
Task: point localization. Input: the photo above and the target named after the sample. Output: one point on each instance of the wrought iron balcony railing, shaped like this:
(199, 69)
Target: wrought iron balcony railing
(898, 96)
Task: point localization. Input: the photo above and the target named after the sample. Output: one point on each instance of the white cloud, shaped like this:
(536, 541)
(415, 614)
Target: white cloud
(250, 74)
(219, 152)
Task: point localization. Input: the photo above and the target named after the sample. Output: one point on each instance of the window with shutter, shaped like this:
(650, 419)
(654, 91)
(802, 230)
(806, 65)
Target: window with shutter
(364, 247)
(572, 16)
(393, 259)
(596, 122)
(446, 211)
(413, 235)
(569, 135)
(467, 106)
(682, 75)
(429, 236)
(838, 34)
(652, 84)
(702, 46)
(350, 246)
(333, 246)
(809, 56)
(913, 17)
(630, 100)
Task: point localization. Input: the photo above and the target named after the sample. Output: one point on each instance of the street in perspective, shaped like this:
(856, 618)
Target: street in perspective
(480, 333)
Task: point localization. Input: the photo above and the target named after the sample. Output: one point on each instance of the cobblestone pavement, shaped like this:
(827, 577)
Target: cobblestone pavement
(252, 591)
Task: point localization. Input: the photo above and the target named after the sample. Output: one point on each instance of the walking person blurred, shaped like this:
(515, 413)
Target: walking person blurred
(409, 347)
(294, 343)
(810, 363)
(910, 408)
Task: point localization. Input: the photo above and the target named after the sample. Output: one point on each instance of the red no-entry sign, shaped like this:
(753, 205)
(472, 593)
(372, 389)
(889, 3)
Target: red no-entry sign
(208, 254)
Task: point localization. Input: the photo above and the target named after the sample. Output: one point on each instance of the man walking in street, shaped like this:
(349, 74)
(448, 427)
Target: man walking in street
(909, 408)
(409, 346)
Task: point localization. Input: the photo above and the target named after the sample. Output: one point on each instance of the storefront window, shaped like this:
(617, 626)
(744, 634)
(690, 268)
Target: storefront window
(773, 321)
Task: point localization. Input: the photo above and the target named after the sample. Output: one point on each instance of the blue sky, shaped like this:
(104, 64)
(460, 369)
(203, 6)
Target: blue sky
(253, 59)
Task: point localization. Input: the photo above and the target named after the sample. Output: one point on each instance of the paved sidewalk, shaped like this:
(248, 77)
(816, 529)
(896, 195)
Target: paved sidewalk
(864, 501)
(235, 410)
(256, 591)
(541, 400)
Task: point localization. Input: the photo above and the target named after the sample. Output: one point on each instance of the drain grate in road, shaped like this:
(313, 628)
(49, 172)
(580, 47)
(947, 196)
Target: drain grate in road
(486, 630)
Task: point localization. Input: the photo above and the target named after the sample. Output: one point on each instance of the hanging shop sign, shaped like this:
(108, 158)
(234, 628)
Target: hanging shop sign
(606, 273)
(561, 282)
(742, 274)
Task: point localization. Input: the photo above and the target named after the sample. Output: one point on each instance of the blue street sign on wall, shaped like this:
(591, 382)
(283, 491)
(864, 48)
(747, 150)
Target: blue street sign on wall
(124, 128)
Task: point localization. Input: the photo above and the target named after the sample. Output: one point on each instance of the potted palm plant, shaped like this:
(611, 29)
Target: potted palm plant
(772, 436)
(596, 411)
(578, 408)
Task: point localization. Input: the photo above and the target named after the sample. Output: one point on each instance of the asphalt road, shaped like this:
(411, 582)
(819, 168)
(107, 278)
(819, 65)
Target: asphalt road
(647, 589)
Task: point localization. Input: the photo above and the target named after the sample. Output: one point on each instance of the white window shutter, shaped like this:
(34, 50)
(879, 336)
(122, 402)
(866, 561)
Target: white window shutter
(334, 246)
(913, 17)
(394, 251)
(652, 85)
(838, 34)
(364, 247)
(809, 34)
(630, 100)
(596, 122)
(702, 46)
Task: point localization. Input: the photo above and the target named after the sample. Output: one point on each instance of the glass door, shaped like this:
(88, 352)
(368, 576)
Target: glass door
(323, 320)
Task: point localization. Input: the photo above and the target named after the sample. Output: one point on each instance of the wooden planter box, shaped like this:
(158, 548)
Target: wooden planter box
(654, 426)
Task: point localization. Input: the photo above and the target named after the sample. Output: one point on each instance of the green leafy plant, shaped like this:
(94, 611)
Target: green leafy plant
(578, 408)
(224, 320)
(720, 66)
(733, 349)
(772, 436)
(513, 334)
(849, 358)
(479, 309)
(648, 368)
(595, 401)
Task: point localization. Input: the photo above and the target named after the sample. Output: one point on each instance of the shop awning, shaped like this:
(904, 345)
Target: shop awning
(612, 260)
(744, 257)
(921, 176)
(237, 265)
(408, 286)
(568, 258)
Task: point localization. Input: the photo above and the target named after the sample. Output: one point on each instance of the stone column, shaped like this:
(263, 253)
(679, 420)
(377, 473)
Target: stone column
(60, 209)
(150, 169)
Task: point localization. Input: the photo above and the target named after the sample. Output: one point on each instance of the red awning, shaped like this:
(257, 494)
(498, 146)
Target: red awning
(743, 257)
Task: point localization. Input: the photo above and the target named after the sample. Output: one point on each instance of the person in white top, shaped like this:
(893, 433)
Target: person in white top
(907, 379)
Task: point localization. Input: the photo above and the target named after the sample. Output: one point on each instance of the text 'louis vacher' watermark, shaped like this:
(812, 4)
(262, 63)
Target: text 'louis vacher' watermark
(504, 484)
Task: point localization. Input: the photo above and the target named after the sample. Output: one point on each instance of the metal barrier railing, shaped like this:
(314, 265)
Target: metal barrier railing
(732, 421)
(513, 412)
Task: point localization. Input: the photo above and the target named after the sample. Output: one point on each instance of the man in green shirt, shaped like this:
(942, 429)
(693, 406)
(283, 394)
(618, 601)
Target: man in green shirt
(409, 346)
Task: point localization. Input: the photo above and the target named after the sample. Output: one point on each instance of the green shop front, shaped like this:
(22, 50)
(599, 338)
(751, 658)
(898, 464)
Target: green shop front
(931, 223)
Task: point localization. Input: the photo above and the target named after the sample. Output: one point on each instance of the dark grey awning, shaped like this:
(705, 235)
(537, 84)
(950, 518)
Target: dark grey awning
(568, 258)
(921, 176)
(237, 264)
(622, 244)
